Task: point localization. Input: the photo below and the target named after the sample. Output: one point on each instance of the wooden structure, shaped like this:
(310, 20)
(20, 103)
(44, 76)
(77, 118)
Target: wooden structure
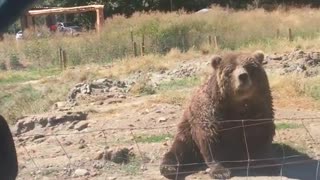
(27, 20)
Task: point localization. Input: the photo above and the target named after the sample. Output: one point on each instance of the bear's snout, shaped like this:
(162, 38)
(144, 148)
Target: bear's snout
(244, 77)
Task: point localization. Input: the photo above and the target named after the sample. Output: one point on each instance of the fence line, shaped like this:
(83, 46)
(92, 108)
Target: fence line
(255, 122)
(175, 125)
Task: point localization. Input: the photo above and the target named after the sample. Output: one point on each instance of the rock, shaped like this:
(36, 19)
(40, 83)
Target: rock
(99, 86)
(82, 146)
(60, 106)
(67, 143)
(81, 126)
(112, 178)
(99, 83)
(47, 120)
(311, 72)
(25, 125)
(118, 155)
(71, 126)
(162, 120)
(110, 95)
(313, 62)
(143, 168)
(207, 171)
(99, 103)
(37, 136)
(275, 57)
(82, 141)
(39, 140)
(81, 172)
(99, 155)
(114, 101)
(301, 68)
(113, 89)
(98, 165)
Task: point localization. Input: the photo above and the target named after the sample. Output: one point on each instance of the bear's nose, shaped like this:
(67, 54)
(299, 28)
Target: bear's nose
(244, 77)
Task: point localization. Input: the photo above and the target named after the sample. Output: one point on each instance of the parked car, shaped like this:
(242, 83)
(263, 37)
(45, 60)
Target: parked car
(68, 27)
(19, 35)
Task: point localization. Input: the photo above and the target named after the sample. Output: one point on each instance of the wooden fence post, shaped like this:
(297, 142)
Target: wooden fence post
(60, 58)
(65, 60)
(135, 49)
(278, 33)
(290, 35)
(210, 40)
(62, 54)
(142, 46)
(216, 42)
(132, 42)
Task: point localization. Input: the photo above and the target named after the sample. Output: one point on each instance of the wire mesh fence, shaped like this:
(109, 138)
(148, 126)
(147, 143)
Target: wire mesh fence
(68, 155)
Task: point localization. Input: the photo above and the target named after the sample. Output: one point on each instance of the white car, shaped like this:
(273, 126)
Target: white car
(19, 35)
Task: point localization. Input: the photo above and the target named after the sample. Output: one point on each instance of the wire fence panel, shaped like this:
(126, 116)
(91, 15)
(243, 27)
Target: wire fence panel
(91, 153)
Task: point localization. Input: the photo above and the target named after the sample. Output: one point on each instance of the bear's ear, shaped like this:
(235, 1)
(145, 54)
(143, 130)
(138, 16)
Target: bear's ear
(215, 61)
(259, 55)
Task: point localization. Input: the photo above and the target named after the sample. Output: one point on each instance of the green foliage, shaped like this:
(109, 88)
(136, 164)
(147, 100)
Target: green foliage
(17, 100)
(153, 138)
(179, 84)
(133, 167)
(3, 66)
(313, 90)
(15, 62)
(280, 126)
(23, 76)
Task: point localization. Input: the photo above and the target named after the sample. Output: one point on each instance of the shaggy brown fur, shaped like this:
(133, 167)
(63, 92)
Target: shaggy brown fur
(8, 156)
(237, 90)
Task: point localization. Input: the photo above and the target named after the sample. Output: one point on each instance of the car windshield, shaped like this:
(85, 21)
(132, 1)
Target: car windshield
(161, 89)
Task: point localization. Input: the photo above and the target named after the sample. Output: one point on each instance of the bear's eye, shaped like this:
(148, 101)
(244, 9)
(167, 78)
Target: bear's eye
(228, 70)
(251, 68)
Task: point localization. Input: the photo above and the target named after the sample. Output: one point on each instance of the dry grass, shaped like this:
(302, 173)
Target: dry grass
(295, 91)
(148, 63)
(176, 97)
(244, 30)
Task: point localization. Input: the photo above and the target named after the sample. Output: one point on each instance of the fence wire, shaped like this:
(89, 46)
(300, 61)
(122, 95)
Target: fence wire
(35, 160)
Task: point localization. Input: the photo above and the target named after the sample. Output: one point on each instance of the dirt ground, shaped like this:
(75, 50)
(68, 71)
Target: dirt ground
(146, 127)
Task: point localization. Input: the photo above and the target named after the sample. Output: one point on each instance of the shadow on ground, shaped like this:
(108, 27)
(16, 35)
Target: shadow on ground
(295, 165)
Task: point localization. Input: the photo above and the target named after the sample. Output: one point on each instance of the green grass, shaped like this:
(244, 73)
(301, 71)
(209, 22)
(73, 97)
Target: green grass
(20, 100)
(133, 167)
(281, 126)
(179, 84)
(153, 138)
(313, 91)
(23, 76)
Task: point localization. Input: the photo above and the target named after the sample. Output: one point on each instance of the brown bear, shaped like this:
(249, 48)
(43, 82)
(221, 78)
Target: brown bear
(8, 155)
(230, 118)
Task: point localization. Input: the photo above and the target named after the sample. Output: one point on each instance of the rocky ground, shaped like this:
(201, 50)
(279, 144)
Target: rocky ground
(102, 131)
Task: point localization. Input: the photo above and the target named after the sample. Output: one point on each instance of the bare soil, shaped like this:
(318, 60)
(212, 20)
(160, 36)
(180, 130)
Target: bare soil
(147, 128)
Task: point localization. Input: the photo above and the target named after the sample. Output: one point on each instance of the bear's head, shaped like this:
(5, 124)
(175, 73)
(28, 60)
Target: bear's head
(240, 75)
